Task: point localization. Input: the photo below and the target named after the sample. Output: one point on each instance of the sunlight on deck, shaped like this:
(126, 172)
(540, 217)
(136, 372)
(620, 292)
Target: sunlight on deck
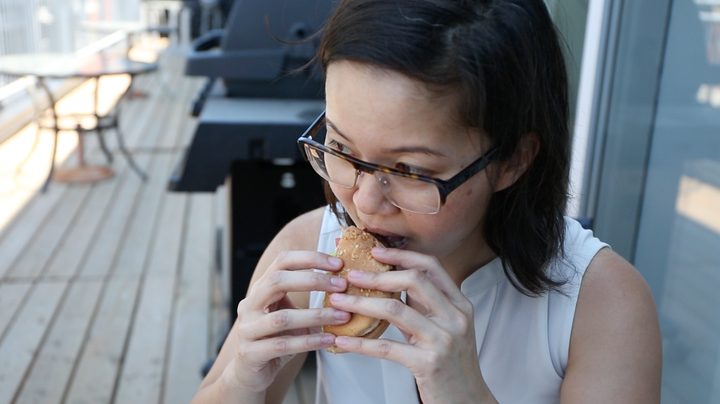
(25, 157)
(107, 290)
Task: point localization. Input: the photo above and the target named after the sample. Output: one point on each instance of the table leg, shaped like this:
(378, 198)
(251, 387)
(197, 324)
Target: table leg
(103, 145)
(128, 156)
(80, 146)
(83, 173)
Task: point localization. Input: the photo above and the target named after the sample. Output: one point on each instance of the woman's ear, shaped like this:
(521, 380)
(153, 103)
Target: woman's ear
(525, 153)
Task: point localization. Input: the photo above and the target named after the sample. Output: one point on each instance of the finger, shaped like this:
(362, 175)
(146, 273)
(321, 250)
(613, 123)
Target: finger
(395, 311)
(434, 270)
(379, 348)
(415, 281)
(272, 287)
(270, 348)
(299, 260)
(287, 320)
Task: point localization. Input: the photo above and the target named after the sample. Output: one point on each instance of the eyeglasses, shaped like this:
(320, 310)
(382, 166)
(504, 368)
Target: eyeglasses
(407, 191)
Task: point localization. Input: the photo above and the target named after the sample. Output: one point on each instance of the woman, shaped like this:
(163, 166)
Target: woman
(507, 301)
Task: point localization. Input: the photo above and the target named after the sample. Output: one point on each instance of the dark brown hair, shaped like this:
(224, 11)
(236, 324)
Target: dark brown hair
(504, 59)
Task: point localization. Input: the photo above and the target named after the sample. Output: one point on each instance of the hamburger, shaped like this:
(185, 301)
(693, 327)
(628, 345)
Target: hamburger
(354, 249)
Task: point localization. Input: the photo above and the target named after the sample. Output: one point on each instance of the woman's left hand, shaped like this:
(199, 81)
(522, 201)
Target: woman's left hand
(441, 351)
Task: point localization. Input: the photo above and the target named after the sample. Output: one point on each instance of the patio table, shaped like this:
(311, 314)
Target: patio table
(70, 65)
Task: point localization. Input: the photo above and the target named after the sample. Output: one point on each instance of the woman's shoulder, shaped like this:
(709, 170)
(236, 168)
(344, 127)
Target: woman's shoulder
(580, 245)
(615, 336)
(301, 233)
(613, 288)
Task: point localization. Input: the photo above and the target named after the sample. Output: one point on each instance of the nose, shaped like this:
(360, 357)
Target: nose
(369, 197)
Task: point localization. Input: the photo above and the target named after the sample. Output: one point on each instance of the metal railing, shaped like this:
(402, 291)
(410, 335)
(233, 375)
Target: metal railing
(21, 29)
(28, 26)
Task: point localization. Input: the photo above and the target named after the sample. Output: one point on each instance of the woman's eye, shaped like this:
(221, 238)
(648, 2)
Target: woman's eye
(410, 169)
(338, 146)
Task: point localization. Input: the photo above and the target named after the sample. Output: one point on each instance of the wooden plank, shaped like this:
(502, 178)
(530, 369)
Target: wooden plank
(188, 344)
(70, 229)
(178, 110)
(11, 298)
(18, 348)
(32, 149)
(165, 256)
(13, 203)
(37, 213)
(116, 225)
(99, 365)
(10, 359)
(143, 368)
(105, 244)
(182, 120)
(79, 239)
(133, 207)
(140, 233)
(38, 252)
(152, 134)
(93, 380)
(142, 372)
(109, 236)
(141, 376)
(135, 113)
(51, 371)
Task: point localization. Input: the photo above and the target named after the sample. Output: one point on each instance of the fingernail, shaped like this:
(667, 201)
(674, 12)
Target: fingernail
(328, 339)
(334, 261)
(341, 341)
(337, 297)
(355, 274)
(337, 282)
(379, 250)
(341, 315)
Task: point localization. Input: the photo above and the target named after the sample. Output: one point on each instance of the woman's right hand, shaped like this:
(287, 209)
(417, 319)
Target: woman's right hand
(271, 330)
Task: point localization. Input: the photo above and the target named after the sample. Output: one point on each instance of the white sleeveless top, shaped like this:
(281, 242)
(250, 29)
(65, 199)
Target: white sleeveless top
(522, 342)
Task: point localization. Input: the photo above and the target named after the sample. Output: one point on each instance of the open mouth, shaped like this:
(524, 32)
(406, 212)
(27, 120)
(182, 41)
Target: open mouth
(391, 241)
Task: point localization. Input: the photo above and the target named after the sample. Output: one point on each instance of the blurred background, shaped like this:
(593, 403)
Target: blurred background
(147, 157)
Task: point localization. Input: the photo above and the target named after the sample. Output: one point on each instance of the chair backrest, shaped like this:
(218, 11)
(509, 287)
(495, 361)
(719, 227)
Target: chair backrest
(253, 23)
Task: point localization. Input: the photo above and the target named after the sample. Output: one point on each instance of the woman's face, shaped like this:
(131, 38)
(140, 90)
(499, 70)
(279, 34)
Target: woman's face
(384, 117)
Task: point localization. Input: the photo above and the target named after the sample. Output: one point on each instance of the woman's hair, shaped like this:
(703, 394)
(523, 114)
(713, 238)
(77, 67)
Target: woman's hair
(504, 59)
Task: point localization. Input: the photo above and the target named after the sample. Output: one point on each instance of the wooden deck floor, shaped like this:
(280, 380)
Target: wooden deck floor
(106, 289)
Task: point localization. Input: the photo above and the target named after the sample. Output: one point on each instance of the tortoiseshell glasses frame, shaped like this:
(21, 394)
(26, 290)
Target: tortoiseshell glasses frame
(444, 187)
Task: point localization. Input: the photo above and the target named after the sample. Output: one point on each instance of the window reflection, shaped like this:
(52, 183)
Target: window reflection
(709, 94)
(709, 13)
(699, 202)
(688, 309)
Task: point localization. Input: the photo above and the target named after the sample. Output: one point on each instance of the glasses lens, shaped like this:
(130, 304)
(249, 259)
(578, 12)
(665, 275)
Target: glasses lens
(406, 193)
(409, 193)
(330, 167)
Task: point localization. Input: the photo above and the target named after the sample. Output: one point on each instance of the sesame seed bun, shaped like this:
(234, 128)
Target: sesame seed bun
(354, 250)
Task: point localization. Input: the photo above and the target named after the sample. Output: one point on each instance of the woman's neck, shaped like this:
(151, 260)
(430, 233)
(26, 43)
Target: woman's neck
(461, 264)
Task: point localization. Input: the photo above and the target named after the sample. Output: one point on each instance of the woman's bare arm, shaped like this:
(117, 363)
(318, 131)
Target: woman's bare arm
(615, 347)
(300, 234)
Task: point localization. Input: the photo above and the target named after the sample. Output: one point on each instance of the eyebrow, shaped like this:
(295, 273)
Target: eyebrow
(406, 149)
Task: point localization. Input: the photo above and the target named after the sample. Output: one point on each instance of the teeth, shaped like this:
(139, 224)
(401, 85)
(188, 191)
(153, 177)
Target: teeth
(391, 241)
(398, 243)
